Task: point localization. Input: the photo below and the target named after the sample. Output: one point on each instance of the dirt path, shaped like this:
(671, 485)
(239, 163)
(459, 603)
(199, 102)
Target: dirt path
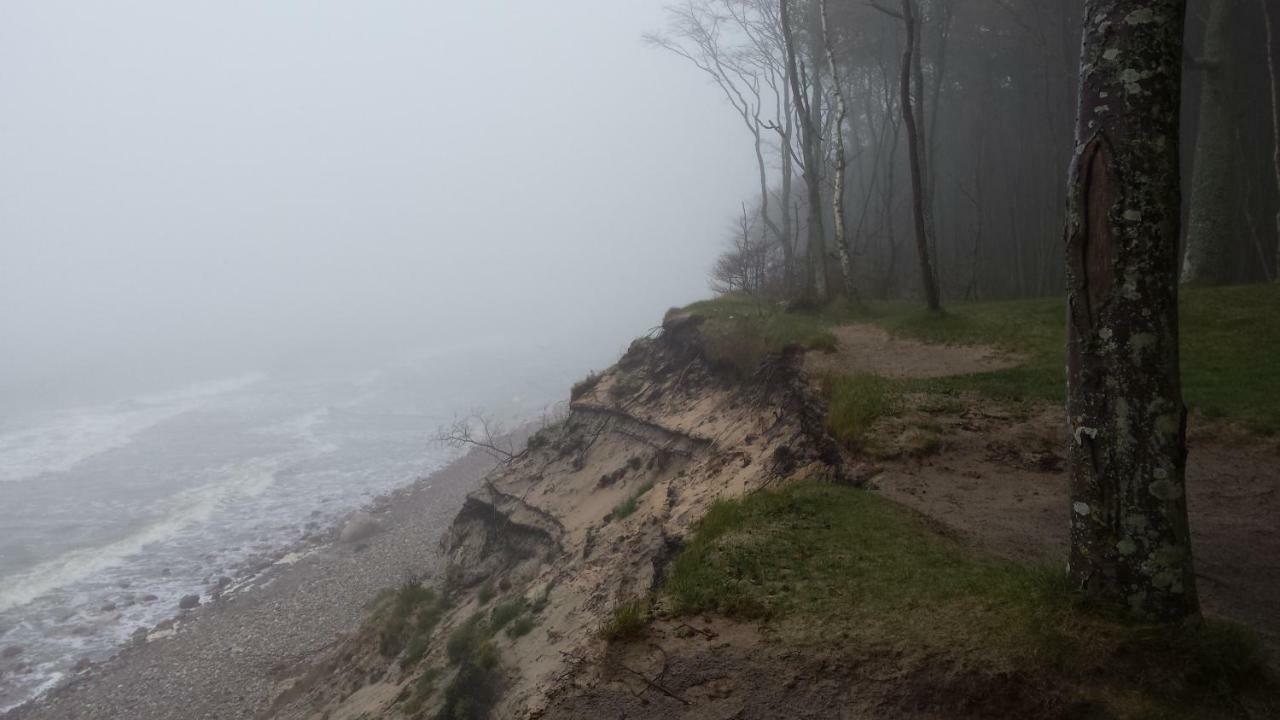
(996, 475)
(867, 348)
(999, 480)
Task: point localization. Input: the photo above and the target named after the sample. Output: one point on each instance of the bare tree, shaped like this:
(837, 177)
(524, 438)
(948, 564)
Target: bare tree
(1130, 540)
(732, 42)
(808, 111)
(910, 120)
(483, 433)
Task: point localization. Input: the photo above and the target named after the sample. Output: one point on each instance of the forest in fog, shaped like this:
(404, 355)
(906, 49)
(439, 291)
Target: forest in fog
(993, 92)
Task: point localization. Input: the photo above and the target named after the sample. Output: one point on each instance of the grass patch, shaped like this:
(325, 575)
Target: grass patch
(405, 618)
(855, 402)
(522, 626)
(741, 331)
(504, 612)
(584, 386)
(487, 592)
(629, 620)
(823, 561)
(1230, 338)
(473, 689)
(628, 506)
(423, 688)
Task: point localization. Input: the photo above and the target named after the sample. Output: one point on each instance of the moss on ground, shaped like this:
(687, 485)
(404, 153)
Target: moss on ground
(819, 562)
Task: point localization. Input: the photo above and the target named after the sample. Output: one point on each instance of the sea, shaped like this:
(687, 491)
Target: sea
(110, 513)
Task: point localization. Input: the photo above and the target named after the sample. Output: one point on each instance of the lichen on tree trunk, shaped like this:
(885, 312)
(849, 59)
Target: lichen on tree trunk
(1130, 542)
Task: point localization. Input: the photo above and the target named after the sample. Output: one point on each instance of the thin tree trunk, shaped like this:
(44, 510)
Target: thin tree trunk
(929, 282)
(1130, 540)
(1211, 227)
(837, 193)
(815, 286)
(1275, 116)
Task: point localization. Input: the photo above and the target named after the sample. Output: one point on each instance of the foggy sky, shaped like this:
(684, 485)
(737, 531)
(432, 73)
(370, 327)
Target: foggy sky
(190, 189)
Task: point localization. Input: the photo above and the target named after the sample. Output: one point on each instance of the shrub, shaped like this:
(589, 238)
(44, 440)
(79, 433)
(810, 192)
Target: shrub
(521, 627)
(584, 386)
(407, 615)
(735, 345)
(624, 387)
(629, 620)
(504, 612)
(467, 640)
(474, 688)
(487, 592)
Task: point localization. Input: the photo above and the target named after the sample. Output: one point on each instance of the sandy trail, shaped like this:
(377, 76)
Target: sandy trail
(867, 348)
(997, 475)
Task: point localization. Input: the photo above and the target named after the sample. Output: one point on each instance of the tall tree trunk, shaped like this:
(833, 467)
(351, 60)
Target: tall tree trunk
(1275, 115)
(815, 278)
(772, 227)
(837, 193)
(1211, 226)
(929, 281)
(1130, 541)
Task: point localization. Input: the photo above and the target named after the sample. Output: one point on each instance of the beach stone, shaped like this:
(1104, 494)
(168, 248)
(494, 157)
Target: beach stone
(12, 651)
(81, 665)
(189, 601)
(360, 526)
(109, 607)
(149, 598)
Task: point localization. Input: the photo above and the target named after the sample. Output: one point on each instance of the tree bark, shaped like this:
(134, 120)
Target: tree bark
(815, 270)
(1130, 541)
(929, 281)
(837, 193)
(1275, 115)
(1211, 226)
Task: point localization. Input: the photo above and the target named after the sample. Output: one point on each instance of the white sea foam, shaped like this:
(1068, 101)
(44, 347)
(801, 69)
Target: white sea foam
(59, 442)
(181, 511)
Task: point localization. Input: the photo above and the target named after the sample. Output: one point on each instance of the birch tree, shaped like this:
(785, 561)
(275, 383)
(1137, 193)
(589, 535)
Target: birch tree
(839, 219)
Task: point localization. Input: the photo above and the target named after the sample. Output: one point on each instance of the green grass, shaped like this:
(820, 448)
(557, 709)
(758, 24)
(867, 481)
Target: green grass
(404, 619)
(423, 688)
(740, 330)
(1230, 342)
(628, 506)
(820, 562)
(473, 689)
(855, 402)
(628, 620)
(521, 627)
(504, 613)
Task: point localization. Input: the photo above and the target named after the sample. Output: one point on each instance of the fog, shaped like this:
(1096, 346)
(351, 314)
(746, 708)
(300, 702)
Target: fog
(190, 190)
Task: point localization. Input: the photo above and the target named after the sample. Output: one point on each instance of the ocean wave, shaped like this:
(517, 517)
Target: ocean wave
(177, 513)
(58, 442)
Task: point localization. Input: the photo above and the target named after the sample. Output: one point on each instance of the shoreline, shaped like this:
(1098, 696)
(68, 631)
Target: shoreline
(219, 659)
